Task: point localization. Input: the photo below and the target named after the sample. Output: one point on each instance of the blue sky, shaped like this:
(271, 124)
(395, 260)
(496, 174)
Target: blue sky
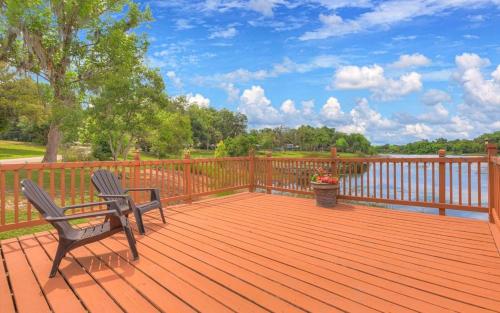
(396, 71)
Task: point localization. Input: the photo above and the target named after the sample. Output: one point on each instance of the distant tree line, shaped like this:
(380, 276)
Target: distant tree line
(304, 138)
(458, 146)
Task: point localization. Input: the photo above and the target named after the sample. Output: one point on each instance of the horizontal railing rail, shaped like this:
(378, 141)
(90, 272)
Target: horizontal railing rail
(460, 183)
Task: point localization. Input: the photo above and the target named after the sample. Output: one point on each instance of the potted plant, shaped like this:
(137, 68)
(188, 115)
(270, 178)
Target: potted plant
(325, 188)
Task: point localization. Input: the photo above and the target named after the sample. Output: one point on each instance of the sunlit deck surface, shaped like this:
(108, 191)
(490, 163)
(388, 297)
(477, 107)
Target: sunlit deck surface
(257, 252)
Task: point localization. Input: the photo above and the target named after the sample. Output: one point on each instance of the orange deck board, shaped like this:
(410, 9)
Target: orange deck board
(254, 252)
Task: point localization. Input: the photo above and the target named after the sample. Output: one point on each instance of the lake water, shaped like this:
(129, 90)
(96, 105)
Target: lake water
(479, 174)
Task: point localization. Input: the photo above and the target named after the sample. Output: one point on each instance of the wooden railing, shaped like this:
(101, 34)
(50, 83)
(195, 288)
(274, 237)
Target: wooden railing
(494, 185)
(460, 183)
(69, 183)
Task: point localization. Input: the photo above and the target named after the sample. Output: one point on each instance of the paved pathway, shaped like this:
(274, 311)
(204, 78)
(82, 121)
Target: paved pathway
(26, 160)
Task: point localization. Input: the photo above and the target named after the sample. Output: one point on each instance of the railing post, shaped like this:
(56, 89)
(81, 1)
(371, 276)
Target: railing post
(137, 172)
(269, 172)
(251, 170)
(491, 150)
(187, 178)
(333, 154)
(442, 180)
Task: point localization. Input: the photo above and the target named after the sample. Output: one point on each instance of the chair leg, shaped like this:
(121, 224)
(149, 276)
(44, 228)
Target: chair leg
(140, 224)
(60, 253)
(162, 215)
(131, 241)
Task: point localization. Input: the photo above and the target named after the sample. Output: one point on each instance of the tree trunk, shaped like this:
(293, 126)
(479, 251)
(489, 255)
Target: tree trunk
(53, 140)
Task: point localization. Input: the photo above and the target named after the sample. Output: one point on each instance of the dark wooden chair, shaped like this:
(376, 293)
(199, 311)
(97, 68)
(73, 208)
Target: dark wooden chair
(110, 188)
(69, 237)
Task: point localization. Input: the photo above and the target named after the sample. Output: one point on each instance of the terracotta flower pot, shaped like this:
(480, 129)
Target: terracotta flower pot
(326, 194)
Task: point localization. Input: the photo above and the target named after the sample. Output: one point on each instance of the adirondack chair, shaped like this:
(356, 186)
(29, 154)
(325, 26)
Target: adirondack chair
(69, 237)
(110, 188)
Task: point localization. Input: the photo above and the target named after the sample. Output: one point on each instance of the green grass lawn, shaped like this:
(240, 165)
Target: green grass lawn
(306, 154)
(14, 150)
(196, 154)
(9, 216)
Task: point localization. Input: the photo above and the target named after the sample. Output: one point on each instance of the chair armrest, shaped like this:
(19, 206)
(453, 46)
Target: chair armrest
(113, 196)
(140, 189)
(155, 192)
(81, 215)
(85, 205)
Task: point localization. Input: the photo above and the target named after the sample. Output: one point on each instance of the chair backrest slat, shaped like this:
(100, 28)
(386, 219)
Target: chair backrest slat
(42, 201)
(107, 183)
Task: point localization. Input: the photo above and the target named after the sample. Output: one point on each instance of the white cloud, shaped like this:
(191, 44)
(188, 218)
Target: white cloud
(496, 74)
(198, 100)
(365, 120)
(331, 109)
(438, 115)
(288, 107)
(404, 38)
(337, 4)
(183, 24)
(411, 60)
(308, 107)
(435, 96)
(355, 77)
(418, 130)
(175, 79)
(385, 14)
(264, 7)
(287, 66)
(373, 78)
(233, 93)
(396, 88)
(257, 107)
(478, 90)
(469, 36)
(476, 18)
(224, 33)
(437, 75)
(177, 55)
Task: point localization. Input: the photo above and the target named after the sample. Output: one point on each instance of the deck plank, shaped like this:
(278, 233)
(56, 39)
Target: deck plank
(383, 277)
(27, 293)
(352, 226)
(220, 275)
(328, 291)
(122, 293)
(164, 271)
(331, 242)
(123, 265)
(58, 293)
(262, 281)
(89, 292)
(6, 300)
(254, 252)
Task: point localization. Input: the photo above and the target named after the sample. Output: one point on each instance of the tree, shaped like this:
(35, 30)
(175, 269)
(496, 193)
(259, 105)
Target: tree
(125, 103)
(240, 145)
(358, 143)
(211, 126)
(341, 144)
(171, 134)
(23, 105)
(221, 150)
(50, 38)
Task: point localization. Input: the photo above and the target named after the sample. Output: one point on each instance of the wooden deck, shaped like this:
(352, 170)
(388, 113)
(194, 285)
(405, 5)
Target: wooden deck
(257, 252)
